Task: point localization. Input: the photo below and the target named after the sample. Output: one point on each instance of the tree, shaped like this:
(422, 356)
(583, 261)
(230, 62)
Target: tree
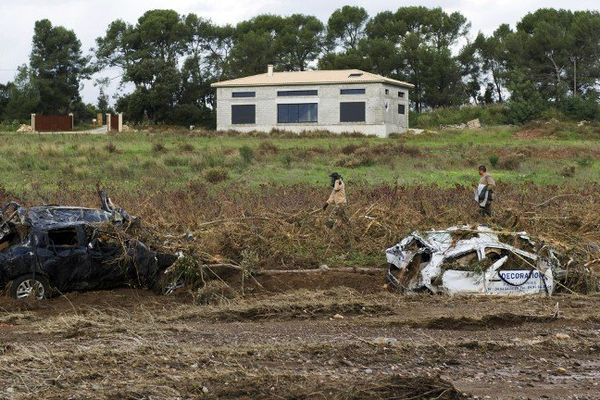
(148, 53)
(57, 67)
(494, 57)
(300, 41)
(23, 96)
(346, 27)
(423, 39)
(102, 104)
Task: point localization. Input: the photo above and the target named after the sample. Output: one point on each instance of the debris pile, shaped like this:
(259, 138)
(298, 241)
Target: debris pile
(24, 128)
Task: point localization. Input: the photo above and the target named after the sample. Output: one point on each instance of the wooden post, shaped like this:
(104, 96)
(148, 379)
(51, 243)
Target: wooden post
(108, 122)
(99, 119)
(33, 122)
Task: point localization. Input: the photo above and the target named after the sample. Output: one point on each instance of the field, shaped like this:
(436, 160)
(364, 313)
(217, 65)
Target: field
(253, 201)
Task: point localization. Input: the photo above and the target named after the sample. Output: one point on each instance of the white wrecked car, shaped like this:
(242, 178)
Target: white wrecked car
(472, 260)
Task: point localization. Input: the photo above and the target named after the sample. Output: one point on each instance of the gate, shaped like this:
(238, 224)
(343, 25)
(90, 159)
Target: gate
(53, 123)
(114, 122)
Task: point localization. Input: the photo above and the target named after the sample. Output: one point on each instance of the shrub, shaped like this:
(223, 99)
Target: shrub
(350, 148)
(286, 161)
(111, 147)
(159, 148)
(246, 154)
(511, 162)
(493, 160)
(568, 171)
(216, 175)
(267, 147)
(187, 147)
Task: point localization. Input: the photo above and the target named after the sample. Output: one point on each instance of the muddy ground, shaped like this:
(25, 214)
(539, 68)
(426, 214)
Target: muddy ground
(338, 343)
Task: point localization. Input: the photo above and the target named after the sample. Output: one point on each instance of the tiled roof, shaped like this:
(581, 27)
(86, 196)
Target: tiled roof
(346, 76)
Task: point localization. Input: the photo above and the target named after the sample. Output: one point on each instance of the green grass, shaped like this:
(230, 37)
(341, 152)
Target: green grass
(47, 163)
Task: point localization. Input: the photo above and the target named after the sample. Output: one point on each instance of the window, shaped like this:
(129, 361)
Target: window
(63, 237)
(355, 75)
(352, 91)
(401, 108)
(294, 113)
(243, 94)
(352, 112)
(243, 114)
(401, 95)
(284, 93)
(387, 91)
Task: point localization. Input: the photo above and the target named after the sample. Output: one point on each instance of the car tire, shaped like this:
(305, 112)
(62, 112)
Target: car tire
(22, 287)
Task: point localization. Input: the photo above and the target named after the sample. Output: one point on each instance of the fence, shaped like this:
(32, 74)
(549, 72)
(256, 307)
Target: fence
(52, 123)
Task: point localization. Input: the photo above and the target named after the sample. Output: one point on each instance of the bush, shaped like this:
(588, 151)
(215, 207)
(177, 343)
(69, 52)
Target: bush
(495, 114)
(246, 154)
(111, 148)
(581, 108)
(159, 148)
(511, 162)
(216, 175)
(267, 147)
(493, 160)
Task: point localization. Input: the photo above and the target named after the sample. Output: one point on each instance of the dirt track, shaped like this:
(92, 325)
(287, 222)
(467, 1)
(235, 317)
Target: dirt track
(131, 344)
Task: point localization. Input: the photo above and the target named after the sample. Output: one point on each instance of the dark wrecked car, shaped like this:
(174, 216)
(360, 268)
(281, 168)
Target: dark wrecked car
(49, 250)
(473, 260)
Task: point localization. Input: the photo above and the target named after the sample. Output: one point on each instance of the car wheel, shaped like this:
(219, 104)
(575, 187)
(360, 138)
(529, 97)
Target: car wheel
(27, 286)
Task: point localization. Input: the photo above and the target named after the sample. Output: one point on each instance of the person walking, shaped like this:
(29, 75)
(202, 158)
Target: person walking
(338, 200)
(484, 194)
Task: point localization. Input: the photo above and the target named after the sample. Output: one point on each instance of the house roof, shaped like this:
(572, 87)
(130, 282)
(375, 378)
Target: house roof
(323, 77)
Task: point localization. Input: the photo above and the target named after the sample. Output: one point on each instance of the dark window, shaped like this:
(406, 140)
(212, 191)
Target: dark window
(283, 93)
(243, 94)
(294, 113)
(401, 108)
(352, 112)
(401, 94)
(352, 91)
(63, 237)
(243, 114)
(355, 75)
(387, 91)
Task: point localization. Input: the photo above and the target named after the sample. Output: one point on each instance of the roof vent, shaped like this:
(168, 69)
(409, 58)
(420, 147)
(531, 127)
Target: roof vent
(355, 75)
(270, 70)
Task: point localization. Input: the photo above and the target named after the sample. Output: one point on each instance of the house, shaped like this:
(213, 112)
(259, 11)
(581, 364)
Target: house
(337, 101)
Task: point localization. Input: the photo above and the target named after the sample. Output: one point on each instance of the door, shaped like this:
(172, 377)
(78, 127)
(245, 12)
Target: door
(64, 257)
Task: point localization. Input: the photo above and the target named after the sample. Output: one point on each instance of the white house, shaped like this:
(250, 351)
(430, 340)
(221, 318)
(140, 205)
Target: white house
(337, 101)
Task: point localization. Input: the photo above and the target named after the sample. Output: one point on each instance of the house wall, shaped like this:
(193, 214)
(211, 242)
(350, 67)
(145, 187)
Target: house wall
(379, 121)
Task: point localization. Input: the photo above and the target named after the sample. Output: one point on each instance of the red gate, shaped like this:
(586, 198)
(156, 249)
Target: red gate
(53, 123)
(114, 122)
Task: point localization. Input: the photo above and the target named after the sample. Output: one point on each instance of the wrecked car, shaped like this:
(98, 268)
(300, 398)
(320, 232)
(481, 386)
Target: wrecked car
(48, 250)
(473, 260)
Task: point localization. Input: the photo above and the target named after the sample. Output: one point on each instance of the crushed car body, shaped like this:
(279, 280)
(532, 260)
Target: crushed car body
(473, 260)
(47, 250)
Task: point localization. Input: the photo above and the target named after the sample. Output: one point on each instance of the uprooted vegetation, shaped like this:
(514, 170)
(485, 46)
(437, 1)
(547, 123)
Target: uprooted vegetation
(244, 232)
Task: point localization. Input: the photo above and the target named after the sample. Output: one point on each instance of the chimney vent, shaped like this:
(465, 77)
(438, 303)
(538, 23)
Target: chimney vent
(270, 70)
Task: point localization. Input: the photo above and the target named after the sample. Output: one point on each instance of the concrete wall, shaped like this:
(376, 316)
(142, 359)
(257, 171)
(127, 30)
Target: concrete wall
(380, 121)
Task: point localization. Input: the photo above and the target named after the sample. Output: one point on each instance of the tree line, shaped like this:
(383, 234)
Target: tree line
(550, 60)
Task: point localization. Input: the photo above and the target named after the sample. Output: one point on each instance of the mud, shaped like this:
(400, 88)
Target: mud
(339, 343)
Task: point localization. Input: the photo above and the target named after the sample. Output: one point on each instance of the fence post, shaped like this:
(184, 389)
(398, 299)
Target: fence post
(33, 122)
(72, 121)
(120, 122)
(108, 122)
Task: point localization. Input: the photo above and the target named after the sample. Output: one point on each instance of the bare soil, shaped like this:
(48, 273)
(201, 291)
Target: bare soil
(338, 343)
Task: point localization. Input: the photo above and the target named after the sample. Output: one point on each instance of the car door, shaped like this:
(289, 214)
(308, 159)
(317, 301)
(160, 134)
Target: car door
(63, 255)
(511, 273)
(108, 268)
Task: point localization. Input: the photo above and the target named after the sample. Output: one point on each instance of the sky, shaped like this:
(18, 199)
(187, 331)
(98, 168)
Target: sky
(90, 18)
